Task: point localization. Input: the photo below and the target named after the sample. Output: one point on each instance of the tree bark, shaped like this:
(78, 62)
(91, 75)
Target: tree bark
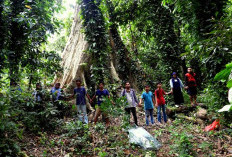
(76, 62)
(74, 57)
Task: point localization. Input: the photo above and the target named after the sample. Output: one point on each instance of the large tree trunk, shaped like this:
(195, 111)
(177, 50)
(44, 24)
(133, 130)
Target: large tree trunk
(74, 59)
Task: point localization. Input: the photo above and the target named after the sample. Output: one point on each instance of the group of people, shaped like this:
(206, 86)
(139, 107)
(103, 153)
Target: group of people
(149, 98)
(157, 98)
(81, 93)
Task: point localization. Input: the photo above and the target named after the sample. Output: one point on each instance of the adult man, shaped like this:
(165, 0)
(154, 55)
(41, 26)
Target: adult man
(80, 93)
(132, 101)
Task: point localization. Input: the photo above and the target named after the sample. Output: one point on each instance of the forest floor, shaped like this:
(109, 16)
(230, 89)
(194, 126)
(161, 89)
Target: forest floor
(178, 138)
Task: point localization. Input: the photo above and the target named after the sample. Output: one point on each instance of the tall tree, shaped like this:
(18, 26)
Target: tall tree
(122, 59)
(24, 27)
(17, 39)
(96, 36)
(2, 33)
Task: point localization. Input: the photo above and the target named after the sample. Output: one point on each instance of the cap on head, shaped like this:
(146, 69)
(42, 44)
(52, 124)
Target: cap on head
(174, 73)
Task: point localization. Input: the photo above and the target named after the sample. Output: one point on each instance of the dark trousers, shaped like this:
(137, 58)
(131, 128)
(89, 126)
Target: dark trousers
(133, 110)
(178, 96)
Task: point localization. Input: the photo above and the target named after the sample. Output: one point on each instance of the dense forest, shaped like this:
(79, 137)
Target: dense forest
(48, 47)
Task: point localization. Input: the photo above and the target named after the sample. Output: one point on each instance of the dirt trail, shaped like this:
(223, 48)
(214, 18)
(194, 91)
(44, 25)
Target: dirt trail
(114, 142)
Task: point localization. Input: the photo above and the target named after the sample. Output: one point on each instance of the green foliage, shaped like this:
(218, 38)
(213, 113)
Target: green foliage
(80, 136)
(182, 144)
(215, 99)
(149, 28)
(224, 75)
(26, 24)
(117, 109)
(76, 127)
(95, 31)
(149, 39)
(57, 41)
(35, 116)
(182, 141)
(8, 130)
(20, 113)
(206, 147)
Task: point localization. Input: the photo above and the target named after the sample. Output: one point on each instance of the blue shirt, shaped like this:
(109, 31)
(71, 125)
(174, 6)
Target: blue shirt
(17, 88)
(80, 95)
(147, 97)
(56, 93)
(101, 94)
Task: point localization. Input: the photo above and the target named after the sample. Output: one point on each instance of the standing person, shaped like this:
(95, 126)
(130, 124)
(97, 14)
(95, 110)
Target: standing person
(56, 92)
(14, 86)
(191, 86)
(132, 101)
(38, 95)
(160, 102)
(148, 98)
(101, 94)
(57, 95)
(176, 88)
(80, 93)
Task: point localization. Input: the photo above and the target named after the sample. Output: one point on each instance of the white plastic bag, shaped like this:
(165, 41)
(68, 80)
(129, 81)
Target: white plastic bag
(225, 108)
(141, 137)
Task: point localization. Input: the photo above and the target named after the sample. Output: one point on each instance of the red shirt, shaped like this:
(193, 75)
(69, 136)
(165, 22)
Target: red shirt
(190, 80)
(159, 93)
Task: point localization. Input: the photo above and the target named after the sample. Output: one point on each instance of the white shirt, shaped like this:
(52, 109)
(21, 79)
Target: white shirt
(129, 99)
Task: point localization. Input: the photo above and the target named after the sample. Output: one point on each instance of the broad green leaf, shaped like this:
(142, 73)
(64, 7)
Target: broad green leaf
(223, 75)
(229, 83)
(229, 65)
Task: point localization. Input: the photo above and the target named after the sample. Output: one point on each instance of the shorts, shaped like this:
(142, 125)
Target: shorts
(192, 91)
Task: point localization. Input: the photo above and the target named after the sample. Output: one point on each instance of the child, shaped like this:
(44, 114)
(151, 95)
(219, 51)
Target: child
(101, 93)
(191, 86)
(132, 101)
(80, 93)
(160, 102)
(148, 98)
